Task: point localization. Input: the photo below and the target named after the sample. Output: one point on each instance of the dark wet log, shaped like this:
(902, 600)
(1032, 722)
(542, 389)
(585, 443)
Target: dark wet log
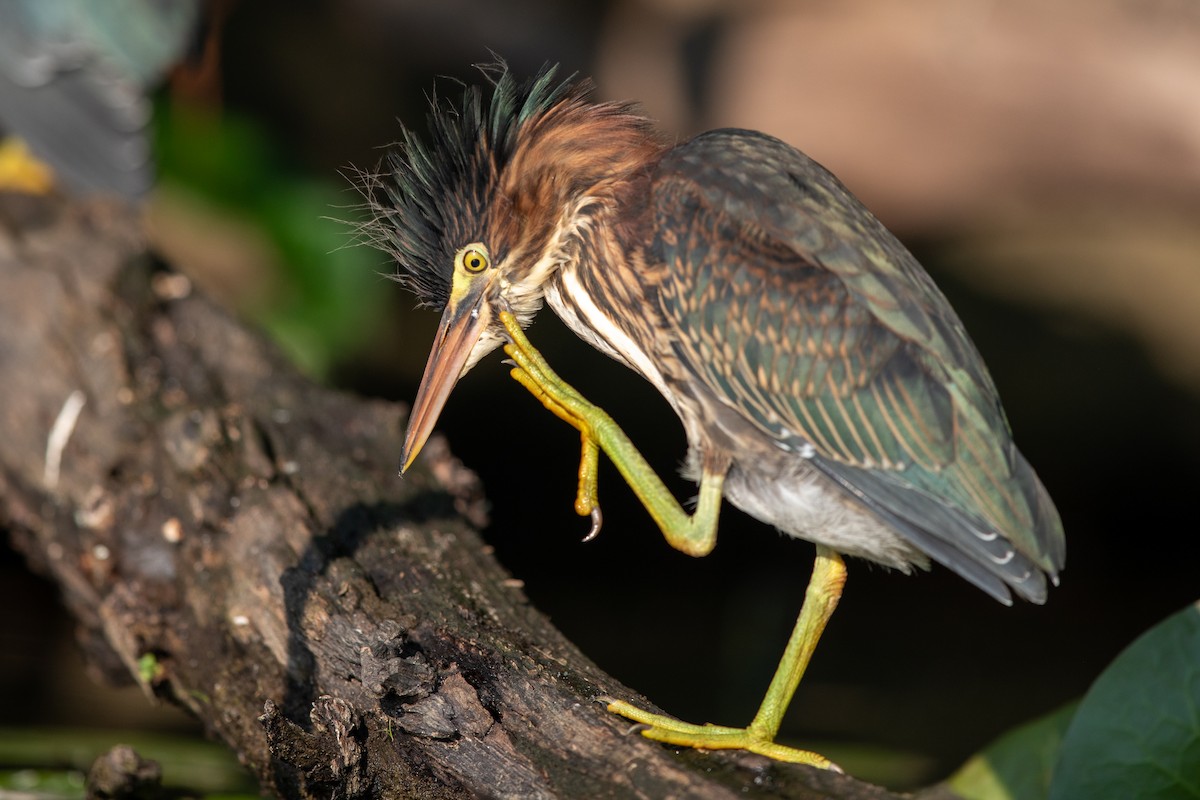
(233, 537)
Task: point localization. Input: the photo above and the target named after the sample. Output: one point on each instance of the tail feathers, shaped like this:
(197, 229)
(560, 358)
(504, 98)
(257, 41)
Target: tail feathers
(997, 562)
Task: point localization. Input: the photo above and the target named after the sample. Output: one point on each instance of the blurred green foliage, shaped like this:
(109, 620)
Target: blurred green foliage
(1137, 731)
(1018, 765)
(1135, 734)
(329, 294)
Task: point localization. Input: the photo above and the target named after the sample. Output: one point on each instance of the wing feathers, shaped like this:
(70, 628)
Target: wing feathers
(794, 305)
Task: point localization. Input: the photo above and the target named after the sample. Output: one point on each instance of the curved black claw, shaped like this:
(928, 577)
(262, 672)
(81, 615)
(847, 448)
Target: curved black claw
(597, 521)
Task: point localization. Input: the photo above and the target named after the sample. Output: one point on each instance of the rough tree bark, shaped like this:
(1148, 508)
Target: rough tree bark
(239, 533)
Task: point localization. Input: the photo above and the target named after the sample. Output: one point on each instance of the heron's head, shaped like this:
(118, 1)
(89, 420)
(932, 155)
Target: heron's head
(509, 186)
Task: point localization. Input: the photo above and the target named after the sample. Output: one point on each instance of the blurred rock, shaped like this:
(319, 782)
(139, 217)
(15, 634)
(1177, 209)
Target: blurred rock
(122, 774)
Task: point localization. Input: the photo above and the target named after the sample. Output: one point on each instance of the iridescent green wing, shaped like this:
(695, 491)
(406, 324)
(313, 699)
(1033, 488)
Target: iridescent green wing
(793, 304)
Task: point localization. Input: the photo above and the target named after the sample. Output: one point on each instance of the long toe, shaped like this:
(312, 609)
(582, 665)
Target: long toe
(668, 730)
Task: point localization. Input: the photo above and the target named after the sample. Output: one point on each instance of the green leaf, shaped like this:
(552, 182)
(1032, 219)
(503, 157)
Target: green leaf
(148, 668)
(1137, 731)
(1018, 765)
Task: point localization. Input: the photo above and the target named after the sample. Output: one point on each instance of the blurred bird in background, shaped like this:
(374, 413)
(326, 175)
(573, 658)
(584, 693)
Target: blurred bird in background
(825, 385)
(74, 76)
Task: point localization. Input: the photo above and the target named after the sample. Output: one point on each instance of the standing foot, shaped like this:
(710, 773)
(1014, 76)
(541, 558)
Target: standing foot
(716, 737)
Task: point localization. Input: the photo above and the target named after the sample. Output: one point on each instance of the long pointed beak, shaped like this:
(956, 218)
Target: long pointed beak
(461, 327)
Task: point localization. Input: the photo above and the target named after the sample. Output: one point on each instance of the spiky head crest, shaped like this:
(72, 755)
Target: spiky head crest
(434, 194)
(517, 167)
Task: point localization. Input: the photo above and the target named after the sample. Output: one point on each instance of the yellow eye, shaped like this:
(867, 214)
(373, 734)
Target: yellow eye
(474, 258)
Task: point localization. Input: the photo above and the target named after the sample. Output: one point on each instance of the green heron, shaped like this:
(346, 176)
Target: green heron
(825, 385)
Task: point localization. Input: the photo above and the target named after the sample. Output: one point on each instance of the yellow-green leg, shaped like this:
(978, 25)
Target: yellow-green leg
(824, 591)
(694, 534)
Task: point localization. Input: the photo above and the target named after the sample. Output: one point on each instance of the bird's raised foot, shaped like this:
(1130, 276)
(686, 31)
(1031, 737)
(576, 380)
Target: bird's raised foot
(716, 737)
(531, 371)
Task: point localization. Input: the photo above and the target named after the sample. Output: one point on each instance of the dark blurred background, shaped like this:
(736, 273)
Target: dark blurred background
(1042, 160)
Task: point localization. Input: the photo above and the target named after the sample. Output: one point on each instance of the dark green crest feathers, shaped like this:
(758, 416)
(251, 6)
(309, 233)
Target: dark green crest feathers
(425, 203)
